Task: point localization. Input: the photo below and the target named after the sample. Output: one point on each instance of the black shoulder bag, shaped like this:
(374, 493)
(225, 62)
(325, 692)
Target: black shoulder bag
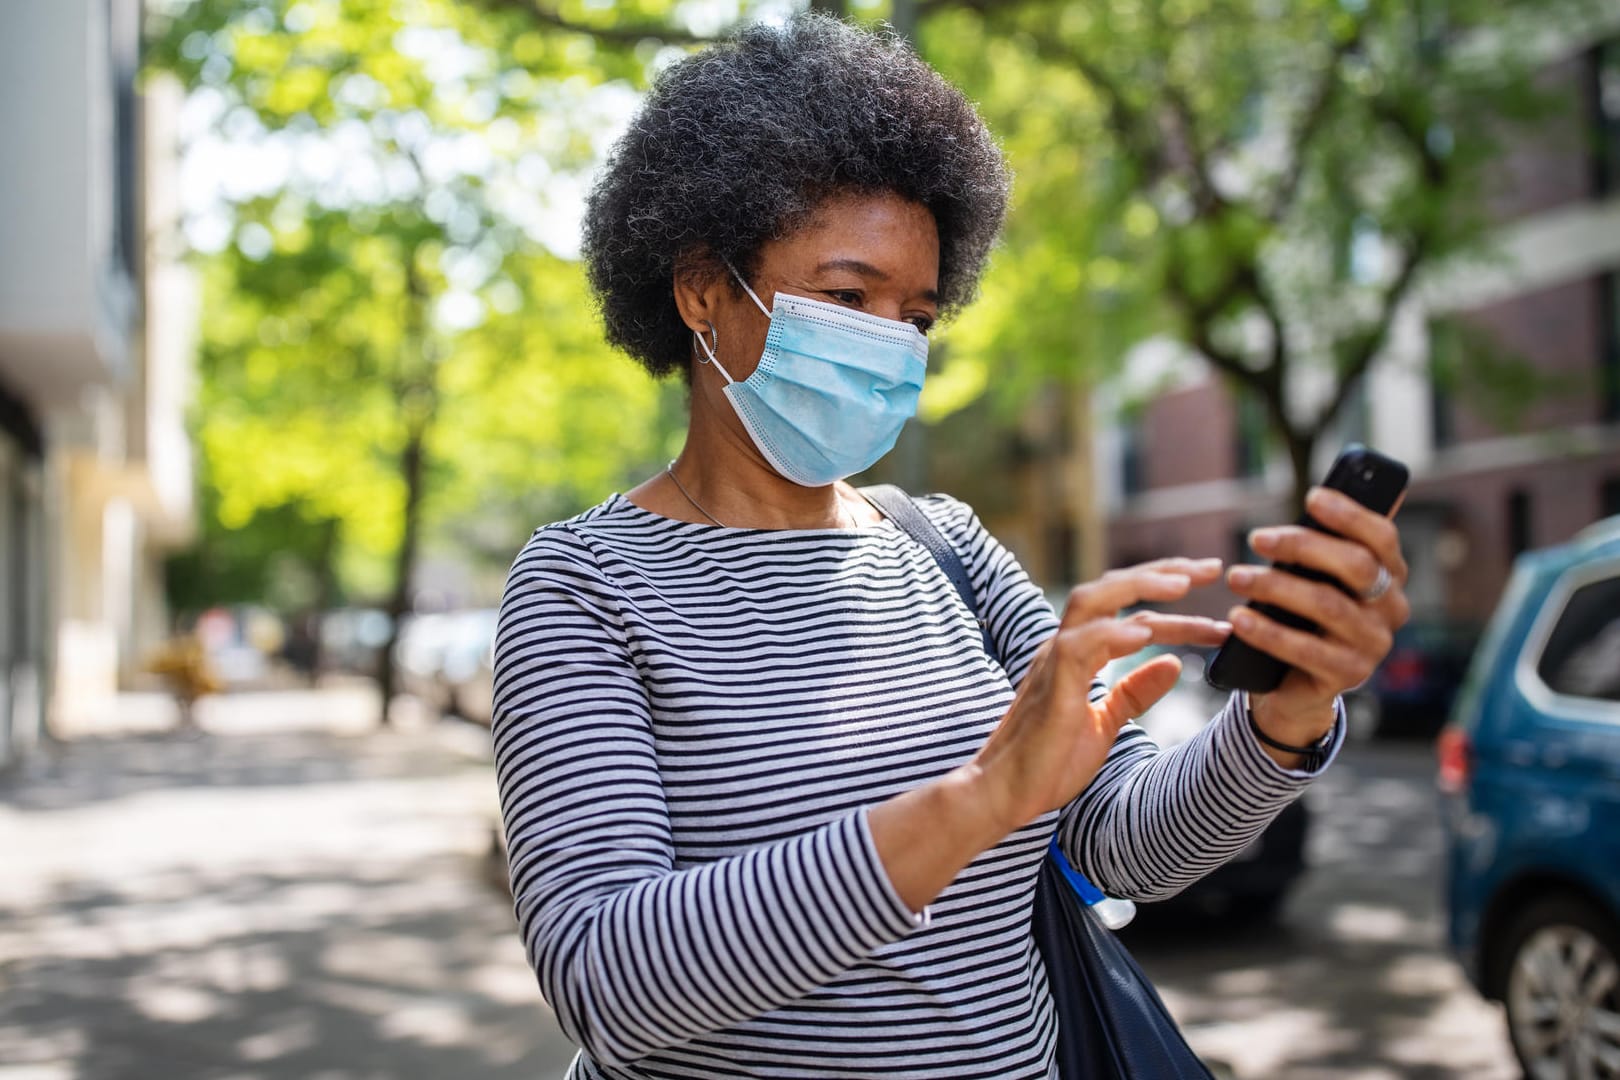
(1111, 1022)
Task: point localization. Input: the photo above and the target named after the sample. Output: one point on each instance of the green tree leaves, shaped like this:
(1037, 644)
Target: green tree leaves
(389, 352)
(1264, 182)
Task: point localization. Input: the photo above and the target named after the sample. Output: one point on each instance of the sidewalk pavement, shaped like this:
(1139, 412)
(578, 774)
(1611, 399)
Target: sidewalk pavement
(290, 893)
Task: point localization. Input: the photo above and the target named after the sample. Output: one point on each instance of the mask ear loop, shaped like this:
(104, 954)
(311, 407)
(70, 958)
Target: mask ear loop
(707, 350)
(752, 295)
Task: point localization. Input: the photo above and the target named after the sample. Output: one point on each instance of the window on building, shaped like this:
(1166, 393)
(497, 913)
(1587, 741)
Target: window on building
(1609, 348)
(1132, 478)
(1249, 435)
(1609, 496)
(1445, 358)
(1582, 655)
(1604, 93)
(22, 628)
(127, 235)
(1519, 538)
(123, 61)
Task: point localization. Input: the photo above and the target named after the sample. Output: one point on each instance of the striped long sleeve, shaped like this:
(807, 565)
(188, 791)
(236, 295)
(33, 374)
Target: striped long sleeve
(1153, 821)
(690, 724)
(633, 951)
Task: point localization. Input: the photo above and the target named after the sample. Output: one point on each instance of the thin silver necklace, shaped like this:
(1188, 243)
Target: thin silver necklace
(844, 511)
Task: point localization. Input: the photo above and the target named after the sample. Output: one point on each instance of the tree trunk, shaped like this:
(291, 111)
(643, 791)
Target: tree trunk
(1090, 526)
(419, 402)
(326, 595)
(1300, 445)
(411, 462)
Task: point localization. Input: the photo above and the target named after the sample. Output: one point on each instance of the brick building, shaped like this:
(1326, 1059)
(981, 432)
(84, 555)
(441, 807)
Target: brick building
(1188, 473)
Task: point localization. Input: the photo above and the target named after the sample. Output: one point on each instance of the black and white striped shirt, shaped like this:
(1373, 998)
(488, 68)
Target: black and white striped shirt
(690, 724)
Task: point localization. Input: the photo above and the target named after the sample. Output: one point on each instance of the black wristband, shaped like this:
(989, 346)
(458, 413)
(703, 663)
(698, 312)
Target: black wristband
(1315, 748)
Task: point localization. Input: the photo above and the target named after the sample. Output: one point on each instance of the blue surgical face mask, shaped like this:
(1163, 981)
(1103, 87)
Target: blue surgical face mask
(832, 390)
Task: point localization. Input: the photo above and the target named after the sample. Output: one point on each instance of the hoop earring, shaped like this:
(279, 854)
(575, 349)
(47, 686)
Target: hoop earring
(705, 347)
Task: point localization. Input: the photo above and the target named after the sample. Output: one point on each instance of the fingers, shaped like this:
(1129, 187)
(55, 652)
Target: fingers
(1182, 629)
(1355, 522)
(1137, 692)
(1350, 621)
(1395, 607)
(1198, 571)
(1328, 661)
(1120, 588)
(1349, 561)
(1084, 649)
(1165, 579)
(1368, 541)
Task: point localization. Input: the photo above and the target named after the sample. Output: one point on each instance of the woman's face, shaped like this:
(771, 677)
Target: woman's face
(873, 253)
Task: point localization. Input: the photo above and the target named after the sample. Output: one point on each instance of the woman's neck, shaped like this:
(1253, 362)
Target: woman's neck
(721, 477)
(737, 487)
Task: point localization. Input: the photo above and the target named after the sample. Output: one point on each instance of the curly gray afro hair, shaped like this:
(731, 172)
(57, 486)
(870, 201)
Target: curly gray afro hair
(738, 144)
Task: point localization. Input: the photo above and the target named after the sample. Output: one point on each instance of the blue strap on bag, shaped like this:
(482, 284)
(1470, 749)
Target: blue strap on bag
(1111, 1023)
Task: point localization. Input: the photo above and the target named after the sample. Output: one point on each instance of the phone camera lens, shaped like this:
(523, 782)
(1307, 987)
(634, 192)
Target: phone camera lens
(1366, 476)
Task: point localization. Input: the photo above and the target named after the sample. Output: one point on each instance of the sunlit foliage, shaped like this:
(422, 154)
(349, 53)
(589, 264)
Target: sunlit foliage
(1264, 182)
(397, 341)
(389, 348)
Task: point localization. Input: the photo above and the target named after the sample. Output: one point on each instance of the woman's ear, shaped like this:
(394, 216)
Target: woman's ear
(699, 279)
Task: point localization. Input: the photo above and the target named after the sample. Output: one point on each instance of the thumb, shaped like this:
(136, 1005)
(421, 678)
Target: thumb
(1134, 694)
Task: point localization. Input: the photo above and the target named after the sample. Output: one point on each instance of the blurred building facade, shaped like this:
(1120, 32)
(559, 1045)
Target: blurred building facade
(95, 465)
(1189, 472)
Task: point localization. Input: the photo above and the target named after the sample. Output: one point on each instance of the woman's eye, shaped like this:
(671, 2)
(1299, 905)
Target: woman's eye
(845, 296)
(921, 322)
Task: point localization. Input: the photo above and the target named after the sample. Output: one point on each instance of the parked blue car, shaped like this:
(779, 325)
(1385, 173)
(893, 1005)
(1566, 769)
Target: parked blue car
(1530, 775)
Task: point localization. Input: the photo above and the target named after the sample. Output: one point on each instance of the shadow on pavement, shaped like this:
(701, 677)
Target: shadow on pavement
(310, 904)
(1351, 978)
(299, 904)
(348, 977)
(100, 768)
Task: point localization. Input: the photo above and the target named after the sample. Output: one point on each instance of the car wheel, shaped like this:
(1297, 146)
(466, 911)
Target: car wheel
(1562, 990)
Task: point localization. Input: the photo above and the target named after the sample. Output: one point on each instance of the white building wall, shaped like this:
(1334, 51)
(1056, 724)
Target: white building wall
(93, 342)
(66, 307)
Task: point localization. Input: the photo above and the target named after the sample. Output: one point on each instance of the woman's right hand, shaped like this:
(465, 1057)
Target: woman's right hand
(1053, 740)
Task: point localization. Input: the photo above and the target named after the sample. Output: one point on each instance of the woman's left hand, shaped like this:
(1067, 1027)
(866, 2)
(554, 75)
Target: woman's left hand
(1356, 631)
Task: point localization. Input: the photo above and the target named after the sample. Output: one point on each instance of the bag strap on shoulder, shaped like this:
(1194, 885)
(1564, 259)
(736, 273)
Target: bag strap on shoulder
(902, 509)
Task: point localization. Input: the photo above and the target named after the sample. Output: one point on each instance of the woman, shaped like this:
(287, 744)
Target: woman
(772, 810)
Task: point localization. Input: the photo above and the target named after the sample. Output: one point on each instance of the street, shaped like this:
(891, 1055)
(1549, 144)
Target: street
(1351, 981)
(292, 894)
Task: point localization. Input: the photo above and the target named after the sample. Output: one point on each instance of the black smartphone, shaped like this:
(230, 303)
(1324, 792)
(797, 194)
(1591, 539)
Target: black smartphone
(1373, 480)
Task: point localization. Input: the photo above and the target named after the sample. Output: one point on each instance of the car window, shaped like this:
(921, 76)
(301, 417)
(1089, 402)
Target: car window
(1582, 655)
(1470, 695)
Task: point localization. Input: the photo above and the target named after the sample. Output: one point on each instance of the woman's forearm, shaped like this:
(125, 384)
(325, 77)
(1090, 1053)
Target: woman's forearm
(634, 959)
(1156, 821)
(928, 835)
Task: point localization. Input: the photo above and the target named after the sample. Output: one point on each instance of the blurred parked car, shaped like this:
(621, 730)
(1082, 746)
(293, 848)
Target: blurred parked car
(444, 661)
(1416, 685)
(469, 666)
(1530, 776)
(239, 643)
(1254, 883)
(352, 639)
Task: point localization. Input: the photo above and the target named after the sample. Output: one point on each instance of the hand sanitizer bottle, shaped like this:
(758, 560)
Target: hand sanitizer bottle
(1114, 912)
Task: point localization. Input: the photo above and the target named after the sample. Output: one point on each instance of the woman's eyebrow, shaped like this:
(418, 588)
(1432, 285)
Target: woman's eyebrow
(866, 269)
